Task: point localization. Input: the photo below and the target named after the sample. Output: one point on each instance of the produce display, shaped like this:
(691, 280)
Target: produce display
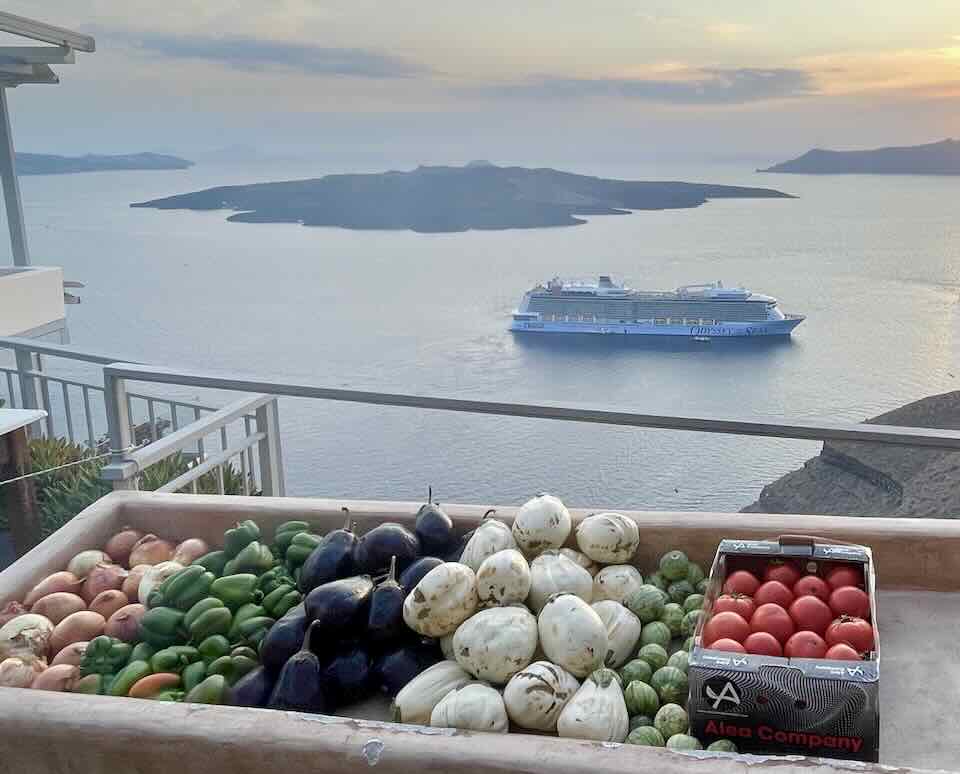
(509, 627)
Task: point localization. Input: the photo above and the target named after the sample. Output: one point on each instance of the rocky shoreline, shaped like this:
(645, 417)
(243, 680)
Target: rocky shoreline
(865, 479)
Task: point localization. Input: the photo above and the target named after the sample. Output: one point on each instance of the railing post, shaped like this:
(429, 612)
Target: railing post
(29, 398)
(121, 470)
(271, 460)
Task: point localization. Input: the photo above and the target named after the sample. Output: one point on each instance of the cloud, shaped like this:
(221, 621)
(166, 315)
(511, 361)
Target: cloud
(257, 54)
(728, 30)
(717, 86)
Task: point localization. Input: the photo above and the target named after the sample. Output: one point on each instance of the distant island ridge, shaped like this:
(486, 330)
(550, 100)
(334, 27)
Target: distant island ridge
(937, 158)
(435, 199)
(48, 164)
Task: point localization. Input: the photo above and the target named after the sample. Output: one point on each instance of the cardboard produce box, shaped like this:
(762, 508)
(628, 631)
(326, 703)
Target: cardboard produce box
(770, 704)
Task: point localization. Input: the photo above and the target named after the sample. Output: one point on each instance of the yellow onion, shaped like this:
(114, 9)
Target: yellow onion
(109, 602)
(59, 581)
(58, 606)
(72, 654)
(125, 623)
(150, 550)
(79, 627)
(10, 611)
(61, 677)
(132, 582)
(17, 673)
(26, 637)
(120, 545)
(85, 561)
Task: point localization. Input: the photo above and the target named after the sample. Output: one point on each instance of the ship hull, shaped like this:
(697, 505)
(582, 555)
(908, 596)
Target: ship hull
(722, 330)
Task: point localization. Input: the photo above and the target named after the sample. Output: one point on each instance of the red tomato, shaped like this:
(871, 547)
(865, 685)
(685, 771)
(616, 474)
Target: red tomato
(725, 626)
(813, 586)
(842, 652)
(849, 600)
(724, 643)
(735, 603)
(811, 614)
(805, 645)
(763, 644)
(785, 572)
(844, 575)
(775, 592)
(741, 582)
(855, 632)
(774, 620)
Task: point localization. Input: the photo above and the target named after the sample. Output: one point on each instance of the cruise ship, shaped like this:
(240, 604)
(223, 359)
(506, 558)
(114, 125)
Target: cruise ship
(694, 311)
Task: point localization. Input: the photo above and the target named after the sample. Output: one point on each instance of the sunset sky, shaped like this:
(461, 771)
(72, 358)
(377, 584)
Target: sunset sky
(503, 79)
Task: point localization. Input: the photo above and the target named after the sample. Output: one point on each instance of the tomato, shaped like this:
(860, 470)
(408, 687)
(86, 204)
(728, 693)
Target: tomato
(805, 644)
(849, 600)
(844, 575)
(735, 603)
(785, 572)
(811, 614)
(842, 652)
(725, 626)
(774, 620)
(741, 582)
(855, 632)
(813, 586)
(773, 591)
(763, 644)
(724, 643)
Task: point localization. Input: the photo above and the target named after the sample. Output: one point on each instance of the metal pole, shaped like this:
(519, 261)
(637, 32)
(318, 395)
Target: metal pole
(11, 188)
(118, 426)
(271, 461)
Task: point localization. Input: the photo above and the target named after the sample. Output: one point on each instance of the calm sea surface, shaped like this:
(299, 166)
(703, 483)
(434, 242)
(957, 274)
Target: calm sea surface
(874, 262)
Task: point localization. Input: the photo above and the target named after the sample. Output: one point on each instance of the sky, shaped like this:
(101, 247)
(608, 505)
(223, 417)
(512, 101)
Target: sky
(510, 80)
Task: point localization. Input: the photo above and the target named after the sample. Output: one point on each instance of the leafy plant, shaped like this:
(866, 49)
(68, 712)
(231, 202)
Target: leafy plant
(176, 465)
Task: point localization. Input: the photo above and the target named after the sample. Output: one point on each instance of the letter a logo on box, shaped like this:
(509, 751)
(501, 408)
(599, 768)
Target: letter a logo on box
(721, 693)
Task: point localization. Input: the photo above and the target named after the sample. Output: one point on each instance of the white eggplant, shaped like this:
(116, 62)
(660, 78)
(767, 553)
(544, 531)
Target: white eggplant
(582, 559)
(491, 536)
(537, 694)
(597, 711)
(416, 699)
(616, 582)
(552, 573)
(504, 578)
(474, 707)
(572, 634)
(446, 646)
(608, 538)
(623, 631)
(542, 523)
(443, 599)
(495, 644)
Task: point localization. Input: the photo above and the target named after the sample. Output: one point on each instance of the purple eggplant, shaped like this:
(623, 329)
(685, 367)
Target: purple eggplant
(331, 560)
(373, 551)
(433, 527)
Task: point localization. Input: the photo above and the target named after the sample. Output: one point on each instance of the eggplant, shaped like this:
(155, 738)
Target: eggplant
(373, 551)
(348, 678)
(415, 572)
(385, 619)
(341, 608)
(433, 527)
(251, 690)
(331, 560)
(300, 685)
(283, 639)
(395, 668)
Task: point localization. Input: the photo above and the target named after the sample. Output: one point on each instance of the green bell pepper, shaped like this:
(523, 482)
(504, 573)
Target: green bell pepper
(105, 656)
(213, 562)
(193, 675)
(213, 647)
(281, 599)
(173, 694)
(273, 579)
(174, 658)
(217, 620)
(199, 609)
(128, 676)
(249, 610)
(96, 685)
(232, 667)
(238, 538)
(300, 548)
(142, 651)
(183, 589)
(243, 650)
(284, 534)
(252, 625)
(161, 626)
(255, 558)
(210, 691)
(236, 590)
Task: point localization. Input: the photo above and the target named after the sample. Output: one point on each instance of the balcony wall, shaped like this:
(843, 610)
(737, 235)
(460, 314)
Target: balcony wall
(31, 301)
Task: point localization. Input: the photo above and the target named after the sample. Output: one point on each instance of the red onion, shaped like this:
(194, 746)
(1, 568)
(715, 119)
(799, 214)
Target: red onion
(150, 550)
(120, 545)
(190, 550)
(58, 606)
(125, 623)
(103, 577)
(59, 581)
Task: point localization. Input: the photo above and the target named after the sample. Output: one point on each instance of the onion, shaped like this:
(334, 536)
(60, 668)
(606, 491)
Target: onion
(132, 582)
(58, 606)
(154, 577)
(151, 550)
(72, 654)
(27, 637)
(10, 611)
(79, 627)
(17, 673)
(85, 561)
(125, 623)
(103, 577)
(119, 546)
(61, 677)
(59, 581)
(109, 602)
(190, 550)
